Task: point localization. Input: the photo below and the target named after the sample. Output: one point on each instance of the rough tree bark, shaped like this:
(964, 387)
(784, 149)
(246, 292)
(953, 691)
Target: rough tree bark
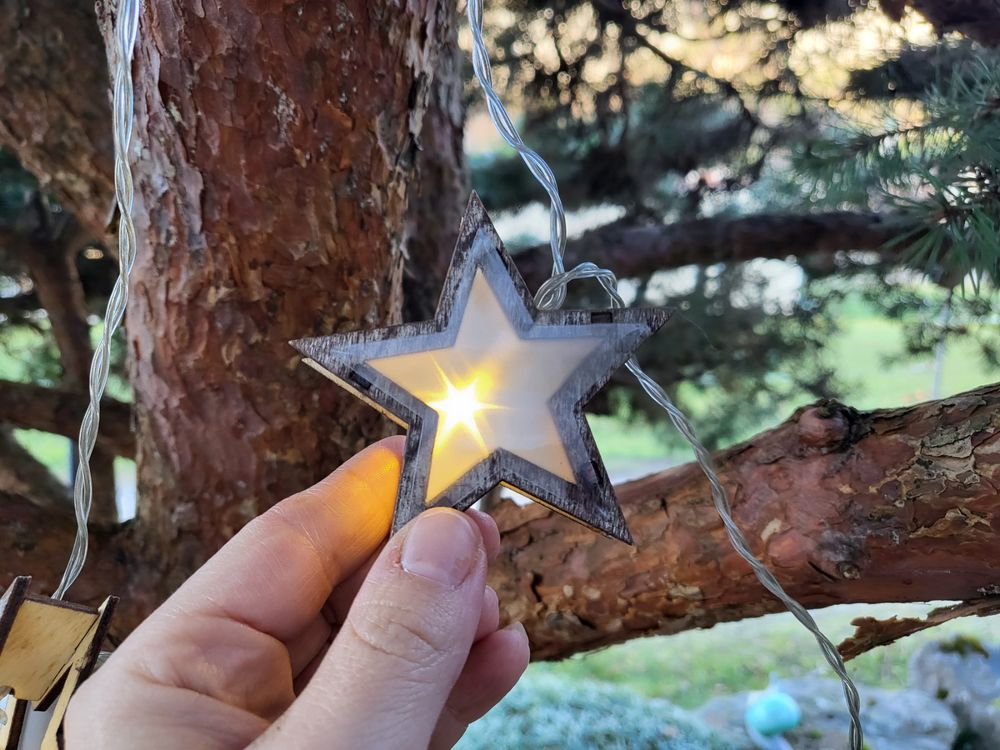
(844, 506)
(36, 541)
(440, 190)
(277, 146)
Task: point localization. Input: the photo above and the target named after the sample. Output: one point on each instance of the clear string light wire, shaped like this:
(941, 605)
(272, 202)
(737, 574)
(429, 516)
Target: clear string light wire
(126, 28)
(552, 294)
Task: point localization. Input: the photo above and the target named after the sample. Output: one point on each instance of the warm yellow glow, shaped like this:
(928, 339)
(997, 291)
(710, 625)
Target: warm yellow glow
(458, 408)
(486, 397)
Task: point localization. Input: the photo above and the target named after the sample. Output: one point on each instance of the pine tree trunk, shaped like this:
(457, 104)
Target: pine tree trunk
(441, 191)
(275, 150)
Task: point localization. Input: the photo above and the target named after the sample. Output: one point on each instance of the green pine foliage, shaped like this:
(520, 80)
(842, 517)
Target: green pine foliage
(942, 172)
(660, 135)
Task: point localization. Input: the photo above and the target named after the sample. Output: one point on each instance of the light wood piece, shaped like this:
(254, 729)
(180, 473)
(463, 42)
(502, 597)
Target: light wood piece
(47, 648)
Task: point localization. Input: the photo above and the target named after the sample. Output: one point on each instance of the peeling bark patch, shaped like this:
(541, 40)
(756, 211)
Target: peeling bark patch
(870, 632)
(954, 520)
(773, 526)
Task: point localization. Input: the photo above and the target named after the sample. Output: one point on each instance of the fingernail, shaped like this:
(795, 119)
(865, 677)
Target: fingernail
(490, 595)
(479, 514)
(515, 627)
(442, 546)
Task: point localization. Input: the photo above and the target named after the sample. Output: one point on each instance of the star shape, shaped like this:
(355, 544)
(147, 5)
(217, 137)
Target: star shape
(491, 391)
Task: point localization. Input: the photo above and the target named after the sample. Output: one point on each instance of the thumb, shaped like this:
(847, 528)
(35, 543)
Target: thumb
(388, 673)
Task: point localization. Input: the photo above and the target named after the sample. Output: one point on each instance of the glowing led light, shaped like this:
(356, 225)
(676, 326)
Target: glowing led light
(459, 407)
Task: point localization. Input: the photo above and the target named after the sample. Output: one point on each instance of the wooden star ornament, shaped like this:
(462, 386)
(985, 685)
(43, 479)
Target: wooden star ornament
(491, 391)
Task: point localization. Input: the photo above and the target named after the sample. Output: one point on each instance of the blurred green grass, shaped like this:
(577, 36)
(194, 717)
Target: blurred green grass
(691, 667)
(51, 450)
(868, 356)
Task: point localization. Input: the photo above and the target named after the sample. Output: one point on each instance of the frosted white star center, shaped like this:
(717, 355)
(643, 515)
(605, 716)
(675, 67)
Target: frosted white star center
(495, 385)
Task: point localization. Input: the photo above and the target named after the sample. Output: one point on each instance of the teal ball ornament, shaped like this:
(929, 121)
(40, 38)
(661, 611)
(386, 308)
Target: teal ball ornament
(773, 713)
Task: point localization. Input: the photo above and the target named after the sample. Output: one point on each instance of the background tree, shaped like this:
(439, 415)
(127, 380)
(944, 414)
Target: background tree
(707, 130)
(300, 171)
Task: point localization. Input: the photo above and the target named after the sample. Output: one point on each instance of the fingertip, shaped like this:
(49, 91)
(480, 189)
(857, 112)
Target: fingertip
(443, 545)
(396, 445)
(280, 569)
(407, 635)
(494, 666)
(489, 618)
(379, 463)
(515, 637)
(375, 468)
(362, 490)
(488, 530)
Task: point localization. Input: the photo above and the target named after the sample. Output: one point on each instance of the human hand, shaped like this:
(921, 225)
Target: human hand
(300, 633)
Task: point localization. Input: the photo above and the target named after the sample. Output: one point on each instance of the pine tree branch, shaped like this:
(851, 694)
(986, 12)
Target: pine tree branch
(870, 632)
(977, 19)
(50, 410)
(22, 476)
(51, 262)
(632, 250)
(630, 27)
(845, 506)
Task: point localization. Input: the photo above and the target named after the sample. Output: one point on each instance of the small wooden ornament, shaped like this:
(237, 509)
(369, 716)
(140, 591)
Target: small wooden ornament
(47, 648)
(492, 390)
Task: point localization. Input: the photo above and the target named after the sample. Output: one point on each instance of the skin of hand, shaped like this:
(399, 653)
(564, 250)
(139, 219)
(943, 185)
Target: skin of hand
(310, 630)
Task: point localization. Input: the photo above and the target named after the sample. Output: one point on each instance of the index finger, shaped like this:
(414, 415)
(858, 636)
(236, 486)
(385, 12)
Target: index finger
(278, 571)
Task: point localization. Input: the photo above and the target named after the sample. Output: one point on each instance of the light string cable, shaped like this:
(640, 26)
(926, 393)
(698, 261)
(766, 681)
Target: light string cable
(126, 29)
(552, 294)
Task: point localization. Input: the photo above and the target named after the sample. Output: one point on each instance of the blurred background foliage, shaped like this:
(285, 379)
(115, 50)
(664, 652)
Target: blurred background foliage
(546, 713)
(656, 112)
